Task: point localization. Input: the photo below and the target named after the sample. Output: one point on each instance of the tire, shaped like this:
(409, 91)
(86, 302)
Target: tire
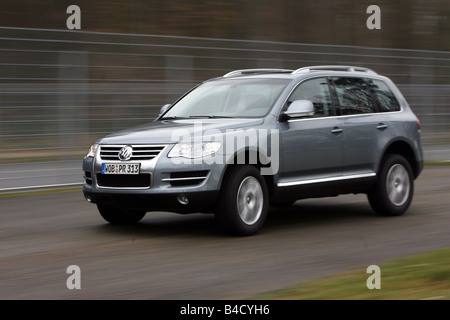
(243, 203)
(120, 217)
(394, 189)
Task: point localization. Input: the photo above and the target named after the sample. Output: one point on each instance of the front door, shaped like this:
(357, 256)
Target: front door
(312, 147)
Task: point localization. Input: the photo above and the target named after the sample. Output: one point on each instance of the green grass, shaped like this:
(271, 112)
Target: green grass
(37, 192)
(425, 276)
(436, 163)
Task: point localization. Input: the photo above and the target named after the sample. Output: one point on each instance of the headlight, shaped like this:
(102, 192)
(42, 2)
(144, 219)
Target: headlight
(194, 150)
(92, 150)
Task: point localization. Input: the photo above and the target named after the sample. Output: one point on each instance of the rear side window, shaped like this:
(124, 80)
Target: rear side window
(388, 102)
(354, 96)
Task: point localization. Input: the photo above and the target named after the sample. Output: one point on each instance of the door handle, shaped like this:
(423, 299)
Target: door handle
(382, 126)
(337, 130)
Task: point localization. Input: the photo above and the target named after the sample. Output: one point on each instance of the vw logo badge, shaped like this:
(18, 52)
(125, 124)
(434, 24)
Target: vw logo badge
(125, 153)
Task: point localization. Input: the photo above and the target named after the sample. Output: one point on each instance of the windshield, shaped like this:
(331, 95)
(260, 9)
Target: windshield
(229, 98)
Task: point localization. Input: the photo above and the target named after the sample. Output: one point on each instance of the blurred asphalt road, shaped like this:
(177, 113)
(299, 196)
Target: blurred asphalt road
(23, 176)
(170, 256)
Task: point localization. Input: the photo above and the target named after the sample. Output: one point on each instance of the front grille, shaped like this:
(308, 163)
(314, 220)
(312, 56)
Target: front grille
(186, 178)
(124, 180)
(139, 152)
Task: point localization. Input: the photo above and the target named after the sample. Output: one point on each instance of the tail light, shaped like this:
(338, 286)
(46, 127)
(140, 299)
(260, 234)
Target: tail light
(418, 124)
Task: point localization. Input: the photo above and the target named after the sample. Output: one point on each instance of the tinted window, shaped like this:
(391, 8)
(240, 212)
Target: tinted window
(354, 96)
(388, 102)
(317, 91)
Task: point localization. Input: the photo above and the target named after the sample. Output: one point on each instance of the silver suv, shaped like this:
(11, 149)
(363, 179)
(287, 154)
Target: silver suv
(236, 144)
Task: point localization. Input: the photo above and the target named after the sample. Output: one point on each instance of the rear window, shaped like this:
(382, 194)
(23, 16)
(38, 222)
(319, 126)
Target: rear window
(388, 101)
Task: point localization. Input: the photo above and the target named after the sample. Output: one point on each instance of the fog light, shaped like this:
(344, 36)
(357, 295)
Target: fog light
(87, 197)
(183, 199)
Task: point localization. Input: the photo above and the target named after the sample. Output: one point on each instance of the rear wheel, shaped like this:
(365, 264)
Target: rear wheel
(243, 203)
(117, 216)
(393, 191)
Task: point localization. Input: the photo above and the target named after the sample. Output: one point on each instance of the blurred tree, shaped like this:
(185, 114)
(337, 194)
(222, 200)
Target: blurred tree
(416, 24)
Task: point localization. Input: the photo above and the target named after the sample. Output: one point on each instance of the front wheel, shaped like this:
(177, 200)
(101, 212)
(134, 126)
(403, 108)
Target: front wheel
(243, 203)
(117, 216)
(393, 191)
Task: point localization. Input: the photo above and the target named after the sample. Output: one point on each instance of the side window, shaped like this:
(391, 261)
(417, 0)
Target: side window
(354, 96)
(388, 102)
(317, 91)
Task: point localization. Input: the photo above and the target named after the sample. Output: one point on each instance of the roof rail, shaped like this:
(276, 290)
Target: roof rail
(242, 72)
(334, 68)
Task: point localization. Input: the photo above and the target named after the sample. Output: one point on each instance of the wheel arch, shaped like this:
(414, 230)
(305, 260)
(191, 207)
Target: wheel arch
(253, 157)
(403, 148)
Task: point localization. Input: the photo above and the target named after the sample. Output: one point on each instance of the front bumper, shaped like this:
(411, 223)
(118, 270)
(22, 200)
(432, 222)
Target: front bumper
(203, 201)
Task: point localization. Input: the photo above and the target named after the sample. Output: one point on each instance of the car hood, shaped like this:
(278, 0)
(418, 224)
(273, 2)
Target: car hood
(171, 131)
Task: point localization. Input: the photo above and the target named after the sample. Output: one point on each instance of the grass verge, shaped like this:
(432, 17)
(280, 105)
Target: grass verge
(37, 192)
(437, 163)
(420, 277)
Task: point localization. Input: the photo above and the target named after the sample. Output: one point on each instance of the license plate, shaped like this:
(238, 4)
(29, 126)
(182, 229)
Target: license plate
(119, 168)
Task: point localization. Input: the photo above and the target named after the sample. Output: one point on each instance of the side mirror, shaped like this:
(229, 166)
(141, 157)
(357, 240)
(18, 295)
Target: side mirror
(163, 110)
(300, 108)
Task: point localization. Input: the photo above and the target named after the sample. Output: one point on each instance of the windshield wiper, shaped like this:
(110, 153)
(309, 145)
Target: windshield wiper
(173, 118)
(210, 117)
(195, 117)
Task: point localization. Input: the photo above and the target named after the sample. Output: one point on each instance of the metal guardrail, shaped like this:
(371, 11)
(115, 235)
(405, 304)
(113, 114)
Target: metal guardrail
(61, 89)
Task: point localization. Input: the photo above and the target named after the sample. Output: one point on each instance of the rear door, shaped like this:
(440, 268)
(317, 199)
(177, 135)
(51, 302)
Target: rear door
(361, 123)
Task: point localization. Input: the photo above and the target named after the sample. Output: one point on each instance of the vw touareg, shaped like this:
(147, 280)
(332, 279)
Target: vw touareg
(236, 144)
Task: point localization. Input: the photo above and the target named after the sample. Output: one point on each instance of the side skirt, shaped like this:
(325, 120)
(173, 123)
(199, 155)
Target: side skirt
(324, 187)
